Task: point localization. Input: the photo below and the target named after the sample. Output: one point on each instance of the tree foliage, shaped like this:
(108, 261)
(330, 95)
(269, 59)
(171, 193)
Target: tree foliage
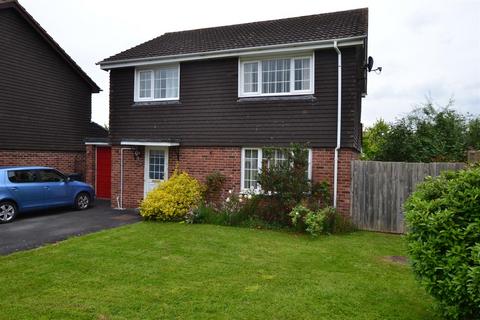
(427, 134)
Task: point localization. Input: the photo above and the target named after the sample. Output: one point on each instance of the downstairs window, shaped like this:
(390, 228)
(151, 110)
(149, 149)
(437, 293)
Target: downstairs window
(253, 160)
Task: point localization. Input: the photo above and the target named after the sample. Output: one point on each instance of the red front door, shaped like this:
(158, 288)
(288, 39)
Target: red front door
(104, 172)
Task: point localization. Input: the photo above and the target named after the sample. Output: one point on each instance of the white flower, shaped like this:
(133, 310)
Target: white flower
(227, 200)
(249, 196)
(230, 191)
(240, 200)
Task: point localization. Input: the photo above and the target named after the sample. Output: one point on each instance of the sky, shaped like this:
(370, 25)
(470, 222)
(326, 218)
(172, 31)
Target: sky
(427, 48)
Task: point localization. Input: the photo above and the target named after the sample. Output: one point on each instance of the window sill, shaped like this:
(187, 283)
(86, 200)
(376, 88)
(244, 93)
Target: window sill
(156, 103)
(307, 97)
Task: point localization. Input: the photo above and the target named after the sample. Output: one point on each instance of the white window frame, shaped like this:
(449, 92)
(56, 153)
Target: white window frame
(152, 84)
(258, 60)
(260, 162)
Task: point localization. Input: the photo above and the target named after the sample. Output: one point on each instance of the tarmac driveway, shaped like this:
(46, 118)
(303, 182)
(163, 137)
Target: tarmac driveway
(34, 229)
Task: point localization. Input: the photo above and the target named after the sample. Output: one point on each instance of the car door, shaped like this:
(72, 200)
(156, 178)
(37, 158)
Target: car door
(55, 186)
(25, 188)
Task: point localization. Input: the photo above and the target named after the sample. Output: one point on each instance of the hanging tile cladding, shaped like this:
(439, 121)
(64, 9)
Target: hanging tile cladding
(209, 112)
(44, 103)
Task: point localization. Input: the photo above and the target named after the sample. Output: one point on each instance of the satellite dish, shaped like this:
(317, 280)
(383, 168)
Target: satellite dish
(370, 64)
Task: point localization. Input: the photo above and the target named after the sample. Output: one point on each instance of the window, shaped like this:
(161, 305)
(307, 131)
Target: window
(253, 160)
(157, 84)
(156, 165)
(50, 176)
(22, 176)
(278, 76)
(252, 167)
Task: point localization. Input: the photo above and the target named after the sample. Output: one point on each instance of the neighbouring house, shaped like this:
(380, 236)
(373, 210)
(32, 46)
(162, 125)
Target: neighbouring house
(211, 99)
(45, 98)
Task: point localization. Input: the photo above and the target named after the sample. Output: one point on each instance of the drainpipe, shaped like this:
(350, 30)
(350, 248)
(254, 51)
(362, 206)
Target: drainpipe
(339, 124)
(120, 201)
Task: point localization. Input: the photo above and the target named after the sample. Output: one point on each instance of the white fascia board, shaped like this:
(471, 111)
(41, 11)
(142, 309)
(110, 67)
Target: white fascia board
(97, 143)
(241, 52)
(151, 144)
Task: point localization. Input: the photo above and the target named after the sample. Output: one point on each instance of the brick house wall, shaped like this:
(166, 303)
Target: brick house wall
(133, 178)
(201, 161)
(66, 162)
(322, 169)
(90, 170)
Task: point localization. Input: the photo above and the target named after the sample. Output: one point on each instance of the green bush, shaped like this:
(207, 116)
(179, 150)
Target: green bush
(335, 222)
(325, 220)
(285, 184)
(172, 200)
(443, 219)
(214, 184)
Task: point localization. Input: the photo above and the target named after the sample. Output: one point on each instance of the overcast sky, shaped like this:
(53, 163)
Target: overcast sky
(426, 48)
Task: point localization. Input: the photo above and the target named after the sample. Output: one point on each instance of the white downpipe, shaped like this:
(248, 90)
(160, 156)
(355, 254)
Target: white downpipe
(120, 202)
(339, 124)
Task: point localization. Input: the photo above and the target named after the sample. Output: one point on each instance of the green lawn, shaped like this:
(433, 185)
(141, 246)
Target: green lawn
(174, 271)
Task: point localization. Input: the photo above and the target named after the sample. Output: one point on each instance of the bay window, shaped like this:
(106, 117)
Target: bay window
(276, 76)
(253, 160)
(161, 83)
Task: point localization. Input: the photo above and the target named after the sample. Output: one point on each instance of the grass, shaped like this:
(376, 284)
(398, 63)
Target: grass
(171, 271)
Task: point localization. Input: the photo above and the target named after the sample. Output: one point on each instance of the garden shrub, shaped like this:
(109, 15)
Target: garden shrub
(171, 200)
(325, 220)
(311, 221)
(443, 220)
(215, 182)
(336, 222)
(285, 184)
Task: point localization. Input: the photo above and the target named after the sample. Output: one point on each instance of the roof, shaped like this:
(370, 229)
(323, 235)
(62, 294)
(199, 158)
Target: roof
(326, 26)
(24, 168)
(96, 131)
(13, 4)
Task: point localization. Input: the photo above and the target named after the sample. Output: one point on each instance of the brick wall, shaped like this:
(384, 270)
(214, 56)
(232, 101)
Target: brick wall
(66, 162)
(322, 169)
(133, 178)
(201, 161)
(90, 164)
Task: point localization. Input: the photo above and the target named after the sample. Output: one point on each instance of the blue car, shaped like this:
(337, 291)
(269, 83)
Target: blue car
(25, 189)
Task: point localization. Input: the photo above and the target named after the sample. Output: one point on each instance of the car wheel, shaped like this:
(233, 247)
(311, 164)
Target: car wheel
(8, 211)
(82, 201)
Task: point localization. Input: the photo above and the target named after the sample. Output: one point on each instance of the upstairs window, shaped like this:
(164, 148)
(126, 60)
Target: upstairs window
(276, 76)
(157, 84)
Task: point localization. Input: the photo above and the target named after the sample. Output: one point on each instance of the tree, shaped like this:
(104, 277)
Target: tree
(426, 134)
(374, 139)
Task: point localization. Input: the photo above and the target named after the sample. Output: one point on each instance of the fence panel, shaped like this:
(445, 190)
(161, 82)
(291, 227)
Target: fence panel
(379, 190)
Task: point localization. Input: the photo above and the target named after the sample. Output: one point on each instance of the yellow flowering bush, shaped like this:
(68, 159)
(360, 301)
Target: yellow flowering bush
(172, 199)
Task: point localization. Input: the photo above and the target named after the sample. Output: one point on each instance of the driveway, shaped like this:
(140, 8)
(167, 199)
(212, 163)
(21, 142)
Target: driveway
(34, 229)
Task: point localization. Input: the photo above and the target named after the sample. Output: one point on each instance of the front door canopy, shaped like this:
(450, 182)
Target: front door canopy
(150, 143)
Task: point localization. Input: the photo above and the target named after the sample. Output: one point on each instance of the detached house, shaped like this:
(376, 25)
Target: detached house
(211, 99)
(45, 97)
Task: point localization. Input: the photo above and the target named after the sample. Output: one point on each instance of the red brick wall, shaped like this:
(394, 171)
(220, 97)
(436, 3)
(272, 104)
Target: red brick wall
(67, 162)
(133, 178)
(90, 165)
(322, 169)
(201, 161)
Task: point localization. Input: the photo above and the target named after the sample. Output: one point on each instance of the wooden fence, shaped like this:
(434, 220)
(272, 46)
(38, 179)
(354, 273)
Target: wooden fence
(379, 190)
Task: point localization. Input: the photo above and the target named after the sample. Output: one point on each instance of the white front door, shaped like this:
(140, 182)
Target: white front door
(156, 167)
